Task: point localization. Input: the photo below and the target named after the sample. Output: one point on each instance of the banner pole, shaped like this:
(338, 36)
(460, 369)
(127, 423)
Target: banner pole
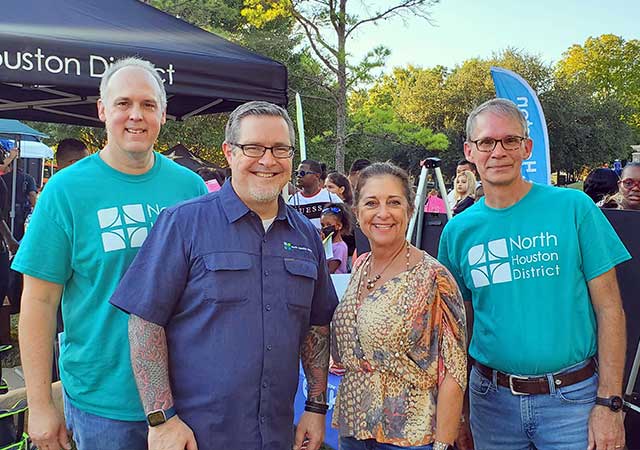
(300, 121)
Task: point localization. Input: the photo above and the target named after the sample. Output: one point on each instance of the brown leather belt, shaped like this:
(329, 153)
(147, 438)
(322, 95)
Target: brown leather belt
(537, 385)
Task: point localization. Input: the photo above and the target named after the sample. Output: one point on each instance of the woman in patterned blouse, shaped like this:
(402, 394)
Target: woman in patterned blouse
(400, 331)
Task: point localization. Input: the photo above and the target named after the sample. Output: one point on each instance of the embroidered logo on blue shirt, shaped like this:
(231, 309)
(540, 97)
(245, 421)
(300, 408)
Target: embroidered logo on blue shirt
(288, 246)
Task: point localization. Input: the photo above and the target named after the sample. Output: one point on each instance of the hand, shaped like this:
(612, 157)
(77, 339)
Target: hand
(464, 441)
(311, 426)
(47, 429)
(13, 154)
(606, 429)
(174, 434)
(13, 245)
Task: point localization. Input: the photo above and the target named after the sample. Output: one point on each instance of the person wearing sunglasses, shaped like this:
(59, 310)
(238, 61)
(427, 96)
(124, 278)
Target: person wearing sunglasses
(537, 267)
(312, 197)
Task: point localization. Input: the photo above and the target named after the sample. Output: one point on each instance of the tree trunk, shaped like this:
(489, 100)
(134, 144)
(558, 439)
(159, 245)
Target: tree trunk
(341, 113)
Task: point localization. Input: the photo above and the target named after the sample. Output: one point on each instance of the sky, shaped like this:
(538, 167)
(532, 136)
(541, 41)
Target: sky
(465, 29)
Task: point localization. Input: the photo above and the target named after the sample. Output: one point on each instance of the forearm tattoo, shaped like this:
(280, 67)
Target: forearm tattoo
(315, 362)
(150, 362)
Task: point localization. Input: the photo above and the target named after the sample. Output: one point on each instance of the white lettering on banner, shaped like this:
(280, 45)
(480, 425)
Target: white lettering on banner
(38, 61)
(523, 104)
(530, 166)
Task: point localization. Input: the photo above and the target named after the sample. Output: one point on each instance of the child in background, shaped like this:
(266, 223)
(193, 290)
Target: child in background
(336, 221)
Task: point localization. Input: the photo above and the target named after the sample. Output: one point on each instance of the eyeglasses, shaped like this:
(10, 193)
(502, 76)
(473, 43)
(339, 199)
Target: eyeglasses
(630, 183)
(331, 210)
(302, 173)
(257, 151)
(508, 143)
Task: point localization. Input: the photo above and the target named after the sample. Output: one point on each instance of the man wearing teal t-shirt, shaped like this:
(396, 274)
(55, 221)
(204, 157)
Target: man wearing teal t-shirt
(88, 225)
(537, 265)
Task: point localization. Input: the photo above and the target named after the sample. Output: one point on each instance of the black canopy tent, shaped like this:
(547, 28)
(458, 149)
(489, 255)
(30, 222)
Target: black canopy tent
(53, 53)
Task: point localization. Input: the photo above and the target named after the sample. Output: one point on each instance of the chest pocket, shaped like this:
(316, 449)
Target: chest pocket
(301, 283)
(227, 277)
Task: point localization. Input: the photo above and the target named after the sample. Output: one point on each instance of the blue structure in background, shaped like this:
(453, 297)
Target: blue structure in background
(512, 86)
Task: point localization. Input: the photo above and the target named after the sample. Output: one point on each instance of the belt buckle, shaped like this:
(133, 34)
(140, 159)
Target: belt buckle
(513, 391)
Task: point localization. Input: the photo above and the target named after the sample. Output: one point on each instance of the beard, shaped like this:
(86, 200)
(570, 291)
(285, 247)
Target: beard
(265, 195)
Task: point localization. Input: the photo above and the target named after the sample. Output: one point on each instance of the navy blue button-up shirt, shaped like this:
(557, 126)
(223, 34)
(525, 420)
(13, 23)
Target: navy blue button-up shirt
(235, 303)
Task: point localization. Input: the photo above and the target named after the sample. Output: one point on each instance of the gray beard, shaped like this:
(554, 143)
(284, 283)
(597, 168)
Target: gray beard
(263, 196)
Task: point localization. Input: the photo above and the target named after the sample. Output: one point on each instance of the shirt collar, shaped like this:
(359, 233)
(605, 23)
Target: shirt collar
(234, 208)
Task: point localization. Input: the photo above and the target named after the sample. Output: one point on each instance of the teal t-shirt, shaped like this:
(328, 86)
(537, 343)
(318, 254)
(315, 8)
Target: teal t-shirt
(525, 268)
(85, 230)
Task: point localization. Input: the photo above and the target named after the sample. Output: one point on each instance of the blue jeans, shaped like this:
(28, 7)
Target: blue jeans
(349, 443)
(555, 421)
(91, 432)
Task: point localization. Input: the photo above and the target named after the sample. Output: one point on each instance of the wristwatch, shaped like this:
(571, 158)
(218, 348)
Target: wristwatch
(437, 445)
(160, 416)
(614, 403)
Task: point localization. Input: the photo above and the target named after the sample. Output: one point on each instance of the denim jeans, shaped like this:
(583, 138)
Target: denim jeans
(91, 432)
(559, 420)
(349, 443)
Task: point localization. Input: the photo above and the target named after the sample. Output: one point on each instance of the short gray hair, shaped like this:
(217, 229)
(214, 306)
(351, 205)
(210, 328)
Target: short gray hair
(132, 62)
(500, 107)
(255, 108)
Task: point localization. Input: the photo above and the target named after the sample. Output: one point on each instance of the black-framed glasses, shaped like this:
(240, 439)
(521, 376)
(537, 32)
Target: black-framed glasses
(509, 143)
(257, 151)
(331, 210)
(302, 173)
(629, 183)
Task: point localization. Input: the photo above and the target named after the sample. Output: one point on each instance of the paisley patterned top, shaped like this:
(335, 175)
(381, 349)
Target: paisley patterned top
(396, 348)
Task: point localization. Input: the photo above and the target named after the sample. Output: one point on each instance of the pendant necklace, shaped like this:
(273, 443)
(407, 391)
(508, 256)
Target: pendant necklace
(371, 282)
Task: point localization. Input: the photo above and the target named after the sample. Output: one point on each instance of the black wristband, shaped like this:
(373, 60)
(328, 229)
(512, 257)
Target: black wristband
(314, 407)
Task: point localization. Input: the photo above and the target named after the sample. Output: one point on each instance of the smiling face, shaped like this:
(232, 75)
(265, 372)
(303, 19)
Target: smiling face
(259, 181)
(132, 111)
(500, 168)
(629, 187)
(383, 211)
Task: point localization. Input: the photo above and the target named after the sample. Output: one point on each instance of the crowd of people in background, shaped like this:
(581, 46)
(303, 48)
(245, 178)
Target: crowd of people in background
(220, 297)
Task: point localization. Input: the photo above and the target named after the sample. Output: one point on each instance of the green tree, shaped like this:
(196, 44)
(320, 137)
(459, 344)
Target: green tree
(584, 130)
(610, 67)
(327, 25)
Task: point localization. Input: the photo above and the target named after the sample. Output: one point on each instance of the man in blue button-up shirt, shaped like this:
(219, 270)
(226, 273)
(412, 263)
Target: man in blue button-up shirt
(226, 296)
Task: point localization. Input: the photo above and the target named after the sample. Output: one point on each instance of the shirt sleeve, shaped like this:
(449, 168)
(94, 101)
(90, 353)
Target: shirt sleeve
(448, 260)
(154, 282)
(45, 250)
(441, 324)
(600, 246)
(339, 253)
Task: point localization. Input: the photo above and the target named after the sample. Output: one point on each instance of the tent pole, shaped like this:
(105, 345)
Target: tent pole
(14, 176)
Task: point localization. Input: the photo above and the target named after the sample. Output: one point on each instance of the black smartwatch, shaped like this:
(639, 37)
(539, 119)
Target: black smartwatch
(160, 416)
(614, 403)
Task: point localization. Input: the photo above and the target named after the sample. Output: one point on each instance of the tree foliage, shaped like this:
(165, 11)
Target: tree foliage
(610, 67)
(327, 26)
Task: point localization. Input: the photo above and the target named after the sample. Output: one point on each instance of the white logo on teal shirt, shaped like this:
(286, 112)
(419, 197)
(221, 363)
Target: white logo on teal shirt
(490, 263)
(514, 258)
(125, 226)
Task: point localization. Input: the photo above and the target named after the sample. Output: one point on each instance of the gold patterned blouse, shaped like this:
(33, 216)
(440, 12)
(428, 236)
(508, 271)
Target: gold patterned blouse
(396, 348)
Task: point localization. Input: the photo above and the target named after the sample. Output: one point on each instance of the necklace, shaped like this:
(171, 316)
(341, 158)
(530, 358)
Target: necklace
(371, 282)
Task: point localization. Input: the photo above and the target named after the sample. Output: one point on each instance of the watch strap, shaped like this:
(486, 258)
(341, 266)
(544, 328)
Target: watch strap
(160, 416)
(614, 403)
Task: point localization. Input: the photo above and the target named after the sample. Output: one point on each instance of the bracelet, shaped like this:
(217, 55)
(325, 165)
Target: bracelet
(438, 445)
(314, 407)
